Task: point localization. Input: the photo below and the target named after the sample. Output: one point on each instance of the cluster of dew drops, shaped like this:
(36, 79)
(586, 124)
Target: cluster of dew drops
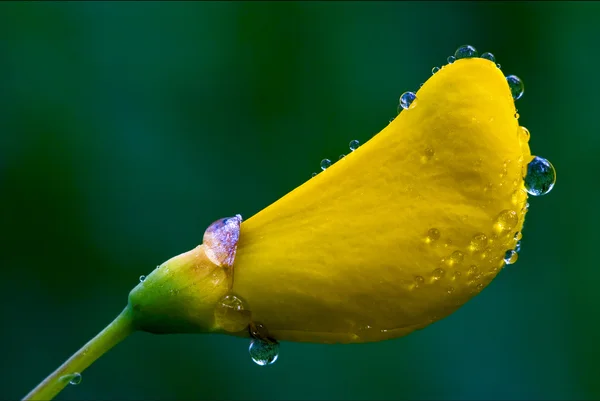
(540, 176)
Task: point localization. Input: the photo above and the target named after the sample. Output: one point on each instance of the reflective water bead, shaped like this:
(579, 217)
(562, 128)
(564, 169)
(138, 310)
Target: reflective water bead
(489, 56)
(466, 51)
(408, 100)
(518, 235)
(354, 144)
(73, 378)
(524, 134)
(540, 177)
(510, 257)
(232, 314)
(498, 65)
(325, 164)
(451, 59)
(341, 156)
(506, 220)
(433, 234)
(516, 86)
(263, 352)
(435, 69)
(518, 246)
(313, 175)
(142, 278)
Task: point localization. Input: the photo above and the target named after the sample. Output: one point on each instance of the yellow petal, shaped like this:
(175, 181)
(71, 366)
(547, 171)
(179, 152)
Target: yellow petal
(402, 231)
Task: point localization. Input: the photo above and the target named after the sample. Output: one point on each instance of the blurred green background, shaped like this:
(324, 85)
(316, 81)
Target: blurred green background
(127, 128)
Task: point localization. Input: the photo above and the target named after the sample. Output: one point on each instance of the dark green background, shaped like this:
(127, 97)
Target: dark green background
(126, 128)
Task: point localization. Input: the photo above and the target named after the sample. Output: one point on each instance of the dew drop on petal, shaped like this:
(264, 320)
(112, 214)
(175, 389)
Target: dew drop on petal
(516, 86)
(510, 257)
(408, 100)
(353, 145)
(489, 56)
(540, 177)
(466, 51)
(325, 164)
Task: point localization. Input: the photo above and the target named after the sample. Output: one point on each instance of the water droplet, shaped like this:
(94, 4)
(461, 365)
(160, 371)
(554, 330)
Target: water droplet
(510, 257)
(524, 134)
(479, 287)
(517, 116)
(478, 242)
(518, 246)
(435, 69)
(408, 100)
(142, 278)
(489, 56)
(473, 271)
(418, 281)
(516, 86)
(73, 378)
(232, 314)
(450, 290)
(498, 65)
(313, 175)
(263, 352)
(466, 51)
(540, 177)
(506, 220)
(325, 164)
(518, 235)
(258, 330)
(354, 144)
(427, 155)
(437, 274)
(342, 156)
(456, 258)
(433, 234)
(220, 240)
(451, 59)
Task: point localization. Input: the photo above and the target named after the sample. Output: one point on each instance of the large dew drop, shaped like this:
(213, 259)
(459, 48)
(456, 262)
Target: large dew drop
(489, 56)
(408, 100)
(516, 86)
(263, 352)
(540, 177)
(466, 51)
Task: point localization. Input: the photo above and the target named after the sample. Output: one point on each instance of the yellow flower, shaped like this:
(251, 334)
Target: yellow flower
(398, 234)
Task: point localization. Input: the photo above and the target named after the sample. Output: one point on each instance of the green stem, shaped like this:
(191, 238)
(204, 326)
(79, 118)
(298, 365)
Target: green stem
(113, 334)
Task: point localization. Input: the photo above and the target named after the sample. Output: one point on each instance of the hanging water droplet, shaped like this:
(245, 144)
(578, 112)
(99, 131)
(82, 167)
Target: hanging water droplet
(434, 70)
(518, 246)
(540, 177)
(263, 352)
(142, 278)
(466, 51)
(354, 144)
(451, 59)
(231, 314)
(516, 86)
(510, 257)
(489, 56)
(325, 164)
(433, 234)
(73, 378)
(408, 100)
(506, 220)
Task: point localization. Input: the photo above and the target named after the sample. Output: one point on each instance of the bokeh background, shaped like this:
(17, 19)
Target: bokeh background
(126, 128)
